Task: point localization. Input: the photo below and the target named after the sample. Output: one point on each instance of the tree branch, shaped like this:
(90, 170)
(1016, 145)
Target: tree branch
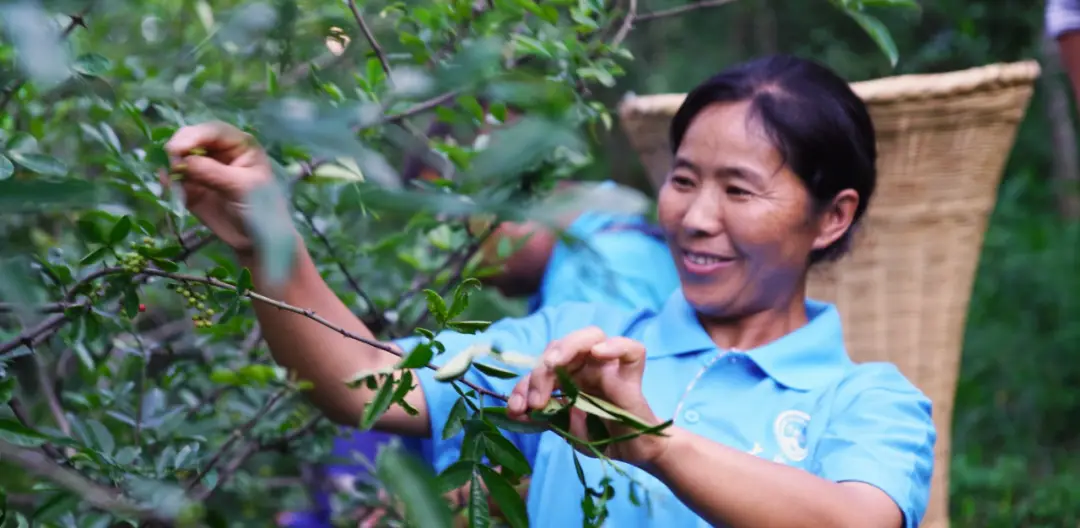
(95, 494)
(373, 309)
(371, 39)
(674, 11)
(21, 415)
(310, 314)
(627, 24)
(256, 446)
(237, 435)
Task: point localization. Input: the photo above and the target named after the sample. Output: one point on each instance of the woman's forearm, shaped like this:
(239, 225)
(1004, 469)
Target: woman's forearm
(322, 356)
(728, 487)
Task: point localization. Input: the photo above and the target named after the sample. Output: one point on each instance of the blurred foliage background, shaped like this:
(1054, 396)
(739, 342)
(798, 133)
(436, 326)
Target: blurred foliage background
(1016, 451)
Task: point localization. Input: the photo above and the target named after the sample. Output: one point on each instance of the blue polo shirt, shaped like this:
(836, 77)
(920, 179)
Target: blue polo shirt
(798, 401)
(617, 260)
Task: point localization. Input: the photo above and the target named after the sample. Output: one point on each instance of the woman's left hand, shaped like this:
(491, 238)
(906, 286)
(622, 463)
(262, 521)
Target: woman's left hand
(609, 368)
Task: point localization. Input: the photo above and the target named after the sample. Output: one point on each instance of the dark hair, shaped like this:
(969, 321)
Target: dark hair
(820, 127)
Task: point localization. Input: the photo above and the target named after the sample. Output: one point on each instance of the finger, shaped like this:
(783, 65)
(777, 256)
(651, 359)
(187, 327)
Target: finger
(517, 405)
(624, 349)
(570, 353)
(575, 343)
(213, 136)
(211, 173)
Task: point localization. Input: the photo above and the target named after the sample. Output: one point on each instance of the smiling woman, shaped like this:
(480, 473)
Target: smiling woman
(774, 425)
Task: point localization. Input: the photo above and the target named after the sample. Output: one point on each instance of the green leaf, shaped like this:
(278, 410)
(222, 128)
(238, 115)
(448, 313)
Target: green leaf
(103, 439)
(16, 433)
(404, 386)
(131, 301)
(6, 167)
(271, 81)
(506, 497)
(419, 357)
(94, 256)
(468, 327)
(92, 64)
(243, 282)
(362, 377)
(90, 231)
(7, 389)
(879, 33)
(39, 163)
(456, 475)
(479, 509)
(903, 4)
(35, 195)
(378, 404)
(456, 421)
(120, 230)
(609, 411)
(461, 297)
(497, 417)
(503, 452)
(414, 484)
(437, 306)
(495, 372)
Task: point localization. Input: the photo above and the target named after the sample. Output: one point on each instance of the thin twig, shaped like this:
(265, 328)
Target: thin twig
(95, 494)
(674, 11)
(418, 108)
(371, 39)
(24, 418)
(46, 383)
(310, 314)
(373, 309)
(627, 24)
(237, 435)
(256, 446)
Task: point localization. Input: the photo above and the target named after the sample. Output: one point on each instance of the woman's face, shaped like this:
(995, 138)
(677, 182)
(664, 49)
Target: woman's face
(739, 223)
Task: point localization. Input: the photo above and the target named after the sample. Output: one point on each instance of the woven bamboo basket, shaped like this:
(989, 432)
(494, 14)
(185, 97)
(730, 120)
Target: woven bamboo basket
(903, 292)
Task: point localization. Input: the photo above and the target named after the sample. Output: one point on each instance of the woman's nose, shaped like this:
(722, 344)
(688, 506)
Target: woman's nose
(704, 216)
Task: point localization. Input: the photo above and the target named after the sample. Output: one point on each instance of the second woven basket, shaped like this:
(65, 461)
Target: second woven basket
(903, 292)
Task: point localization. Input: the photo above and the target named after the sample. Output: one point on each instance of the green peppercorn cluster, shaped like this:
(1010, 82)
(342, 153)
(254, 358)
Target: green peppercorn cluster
(132, 262)
(196, 301)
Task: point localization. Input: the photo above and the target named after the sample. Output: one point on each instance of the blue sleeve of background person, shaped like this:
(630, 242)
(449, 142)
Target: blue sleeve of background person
(623, 267)
(881, 433)
(527, 335)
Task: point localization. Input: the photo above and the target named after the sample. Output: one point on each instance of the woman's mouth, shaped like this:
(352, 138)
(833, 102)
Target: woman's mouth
(697, 263)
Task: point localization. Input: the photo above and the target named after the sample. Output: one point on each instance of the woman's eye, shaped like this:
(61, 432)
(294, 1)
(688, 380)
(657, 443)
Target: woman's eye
(681, 181)
(737, 191)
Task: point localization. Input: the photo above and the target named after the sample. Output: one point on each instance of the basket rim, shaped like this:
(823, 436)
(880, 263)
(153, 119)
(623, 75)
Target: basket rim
(884, 90)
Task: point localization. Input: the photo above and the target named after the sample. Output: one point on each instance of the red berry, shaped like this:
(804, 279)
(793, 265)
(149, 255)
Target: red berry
(142, 307)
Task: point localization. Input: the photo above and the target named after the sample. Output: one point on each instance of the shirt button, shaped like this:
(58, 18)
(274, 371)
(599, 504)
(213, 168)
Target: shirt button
(691, 417)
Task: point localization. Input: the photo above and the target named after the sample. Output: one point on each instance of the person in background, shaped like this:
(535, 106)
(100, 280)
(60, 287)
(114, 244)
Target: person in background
(1062, 24)
(619, 260)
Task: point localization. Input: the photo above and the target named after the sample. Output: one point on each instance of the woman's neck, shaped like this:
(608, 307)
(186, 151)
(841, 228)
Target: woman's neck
(755, 329)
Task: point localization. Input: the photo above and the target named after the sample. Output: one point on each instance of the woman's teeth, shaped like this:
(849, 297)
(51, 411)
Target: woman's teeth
(703, 260)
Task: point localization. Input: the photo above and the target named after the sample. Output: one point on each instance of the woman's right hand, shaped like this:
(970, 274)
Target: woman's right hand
(218, 165)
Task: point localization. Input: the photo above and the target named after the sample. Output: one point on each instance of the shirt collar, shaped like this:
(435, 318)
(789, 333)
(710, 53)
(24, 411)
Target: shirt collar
(808, 357)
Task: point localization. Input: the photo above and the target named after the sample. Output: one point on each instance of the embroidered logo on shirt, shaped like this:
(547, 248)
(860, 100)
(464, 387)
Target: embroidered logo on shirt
(790, 431)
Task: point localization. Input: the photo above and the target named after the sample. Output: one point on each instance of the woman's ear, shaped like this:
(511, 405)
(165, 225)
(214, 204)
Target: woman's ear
(836, 218)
